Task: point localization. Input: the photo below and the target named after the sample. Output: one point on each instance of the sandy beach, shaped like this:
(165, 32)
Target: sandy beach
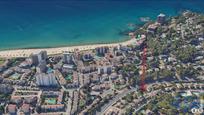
(58, 50)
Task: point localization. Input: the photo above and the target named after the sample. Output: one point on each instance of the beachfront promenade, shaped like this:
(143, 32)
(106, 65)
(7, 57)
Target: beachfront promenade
(58, 50)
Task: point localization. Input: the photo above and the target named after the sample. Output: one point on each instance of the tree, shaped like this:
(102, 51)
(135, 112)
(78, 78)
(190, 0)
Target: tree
(185, 54)
(186, 72)
(149, 106)
(128, 111)
(155, 75)
(157, 46)
(133, 80)
(1, 109)
(129, 97)
(166, 73)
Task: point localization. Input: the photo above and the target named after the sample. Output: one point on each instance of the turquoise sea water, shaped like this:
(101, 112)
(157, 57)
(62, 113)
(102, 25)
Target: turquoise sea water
(53, 23)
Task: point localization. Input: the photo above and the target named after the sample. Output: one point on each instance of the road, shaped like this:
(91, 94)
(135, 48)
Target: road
(141, 106)
(115, 99)
(69, 103)
(136, 110)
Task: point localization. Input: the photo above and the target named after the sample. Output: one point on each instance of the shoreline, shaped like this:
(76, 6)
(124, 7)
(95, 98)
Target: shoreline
(58, 50)
(68, 45)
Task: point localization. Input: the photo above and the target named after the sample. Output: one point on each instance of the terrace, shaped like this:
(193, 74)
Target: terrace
(26, 93)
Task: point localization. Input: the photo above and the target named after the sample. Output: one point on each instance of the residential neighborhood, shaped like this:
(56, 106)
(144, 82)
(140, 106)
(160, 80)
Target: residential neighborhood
(106, 80)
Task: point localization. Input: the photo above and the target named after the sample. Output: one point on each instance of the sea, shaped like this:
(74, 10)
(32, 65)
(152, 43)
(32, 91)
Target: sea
(56, 23)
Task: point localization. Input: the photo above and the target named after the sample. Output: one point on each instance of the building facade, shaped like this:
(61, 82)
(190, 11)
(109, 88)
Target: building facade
(43, 79)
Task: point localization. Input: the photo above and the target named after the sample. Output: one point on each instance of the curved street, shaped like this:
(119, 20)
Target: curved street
(115, 99)
(107, 106)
